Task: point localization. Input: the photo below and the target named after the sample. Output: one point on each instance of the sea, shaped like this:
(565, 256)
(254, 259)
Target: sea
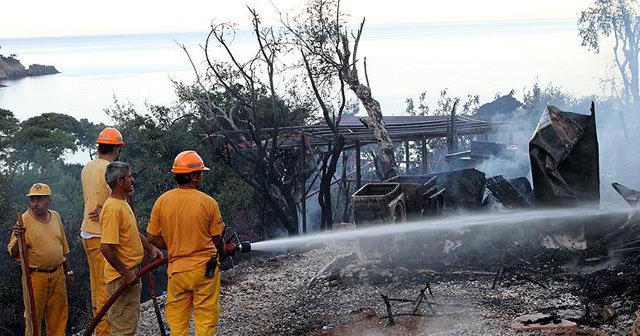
(465, 58)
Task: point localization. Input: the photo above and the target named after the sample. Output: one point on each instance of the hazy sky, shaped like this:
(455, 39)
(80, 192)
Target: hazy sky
(30, 18)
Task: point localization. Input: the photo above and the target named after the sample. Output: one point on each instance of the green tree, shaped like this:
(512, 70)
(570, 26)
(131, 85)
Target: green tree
(8, 126)
(54, 133)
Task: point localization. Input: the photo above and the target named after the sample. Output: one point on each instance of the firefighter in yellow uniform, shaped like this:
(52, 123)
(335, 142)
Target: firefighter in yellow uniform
(48, 254)
(123, 248)
(96, 191)
(187, 222)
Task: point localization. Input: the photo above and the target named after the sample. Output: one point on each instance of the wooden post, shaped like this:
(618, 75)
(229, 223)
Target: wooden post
(345, 185)
(303, 203)
(424, 156)
(358, 166)
(406, 156)
(389, 312)
(31, 324)
(454, 128)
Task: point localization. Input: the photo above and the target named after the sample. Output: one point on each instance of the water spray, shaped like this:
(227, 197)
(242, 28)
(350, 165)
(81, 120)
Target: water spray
(497, 220)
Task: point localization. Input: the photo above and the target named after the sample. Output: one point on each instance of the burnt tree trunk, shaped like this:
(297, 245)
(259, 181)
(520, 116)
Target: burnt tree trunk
(349, 74)
(329, 167)
(376, 123)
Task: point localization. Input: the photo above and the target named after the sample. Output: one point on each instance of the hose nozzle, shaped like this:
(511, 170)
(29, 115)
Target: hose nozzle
(243, 247)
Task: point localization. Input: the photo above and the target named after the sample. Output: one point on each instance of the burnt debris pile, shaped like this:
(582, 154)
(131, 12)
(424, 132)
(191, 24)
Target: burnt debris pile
(599, 255)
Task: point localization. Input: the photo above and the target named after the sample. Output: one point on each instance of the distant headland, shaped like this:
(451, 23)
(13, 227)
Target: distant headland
(11, 68)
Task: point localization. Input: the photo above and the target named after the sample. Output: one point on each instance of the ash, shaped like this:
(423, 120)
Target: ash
(330, 290)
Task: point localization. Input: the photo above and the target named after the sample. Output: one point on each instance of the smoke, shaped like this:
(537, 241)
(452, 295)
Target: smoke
(619, 143)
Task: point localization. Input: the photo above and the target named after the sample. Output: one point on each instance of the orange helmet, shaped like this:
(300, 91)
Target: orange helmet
(188, 162)
(110, 136)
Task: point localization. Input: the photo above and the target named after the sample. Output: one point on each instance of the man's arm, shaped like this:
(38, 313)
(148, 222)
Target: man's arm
(95, 214)
(109, 253)
(157, 241)
(68, 271)
(152, 250)
(222, 251)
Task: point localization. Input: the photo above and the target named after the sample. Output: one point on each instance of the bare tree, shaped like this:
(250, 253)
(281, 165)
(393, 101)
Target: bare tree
(322, 35)
(239, 108)
(332, 117)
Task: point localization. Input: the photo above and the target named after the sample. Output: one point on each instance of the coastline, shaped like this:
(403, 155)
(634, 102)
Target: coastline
(11, 69)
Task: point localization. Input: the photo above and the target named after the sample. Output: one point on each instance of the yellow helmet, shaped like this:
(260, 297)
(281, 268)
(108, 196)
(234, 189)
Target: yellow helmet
(39, 189)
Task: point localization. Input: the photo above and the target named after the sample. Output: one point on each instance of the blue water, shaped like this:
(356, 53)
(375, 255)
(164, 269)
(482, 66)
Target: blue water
(482, 58)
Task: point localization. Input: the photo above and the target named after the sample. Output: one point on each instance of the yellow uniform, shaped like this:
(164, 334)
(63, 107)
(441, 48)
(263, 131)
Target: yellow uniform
(187, 219)
(47, 248)
(120, 228)
(95, 192)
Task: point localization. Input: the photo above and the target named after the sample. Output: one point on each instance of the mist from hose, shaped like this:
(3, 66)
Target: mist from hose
(453, 223)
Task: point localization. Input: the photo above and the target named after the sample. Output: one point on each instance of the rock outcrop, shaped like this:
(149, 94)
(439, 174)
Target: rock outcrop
(11, 68)
(41, 70)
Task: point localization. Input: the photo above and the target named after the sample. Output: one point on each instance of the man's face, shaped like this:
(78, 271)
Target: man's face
(39, 204)
(127, 182)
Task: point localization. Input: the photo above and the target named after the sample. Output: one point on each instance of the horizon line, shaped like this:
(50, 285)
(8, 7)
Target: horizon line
(380, 25)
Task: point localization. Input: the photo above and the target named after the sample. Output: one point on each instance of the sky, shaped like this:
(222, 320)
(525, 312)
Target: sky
(35, 18)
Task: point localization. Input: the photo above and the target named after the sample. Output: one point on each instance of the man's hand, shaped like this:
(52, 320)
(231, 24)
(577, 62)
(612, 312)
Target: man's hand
(95, 214)
(130, 278)
(18, 230)
(70, 280)
(156, 253)
(228, 249)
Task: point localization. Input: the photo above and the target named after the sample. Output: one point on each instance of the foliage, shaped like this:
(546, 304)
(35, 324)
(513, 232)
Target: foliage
(619, 19)
(8, 126)
(55, 133)
(538, 98)
(444, 105)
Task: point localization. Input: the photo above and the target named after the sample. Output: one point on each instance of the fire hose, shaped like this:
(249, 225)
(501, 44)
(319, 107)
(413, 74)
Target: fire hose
(154, 298)
(27, 293)
(119, 292)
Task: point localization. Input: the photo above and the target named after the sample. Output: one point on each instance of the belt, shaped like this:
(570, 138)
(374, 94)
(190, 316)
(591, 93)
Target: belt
(42, 270)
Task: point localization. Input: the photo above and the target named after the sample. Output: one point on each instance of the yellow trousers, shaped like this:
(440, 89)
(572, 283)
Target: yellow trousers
(193, 292)
(50, 297)
(96, 280)
(125, 312)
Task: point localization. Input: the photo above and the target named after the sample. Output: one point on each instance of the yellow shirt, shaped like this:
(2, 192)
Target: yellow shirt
(120, 228)
(187, 219)
(47, 241)
(94, 190)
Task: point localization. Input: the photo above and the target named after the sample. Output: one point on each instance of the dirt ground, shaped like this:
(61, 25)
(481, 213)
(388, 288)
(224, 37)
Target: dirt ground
(329, 290)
